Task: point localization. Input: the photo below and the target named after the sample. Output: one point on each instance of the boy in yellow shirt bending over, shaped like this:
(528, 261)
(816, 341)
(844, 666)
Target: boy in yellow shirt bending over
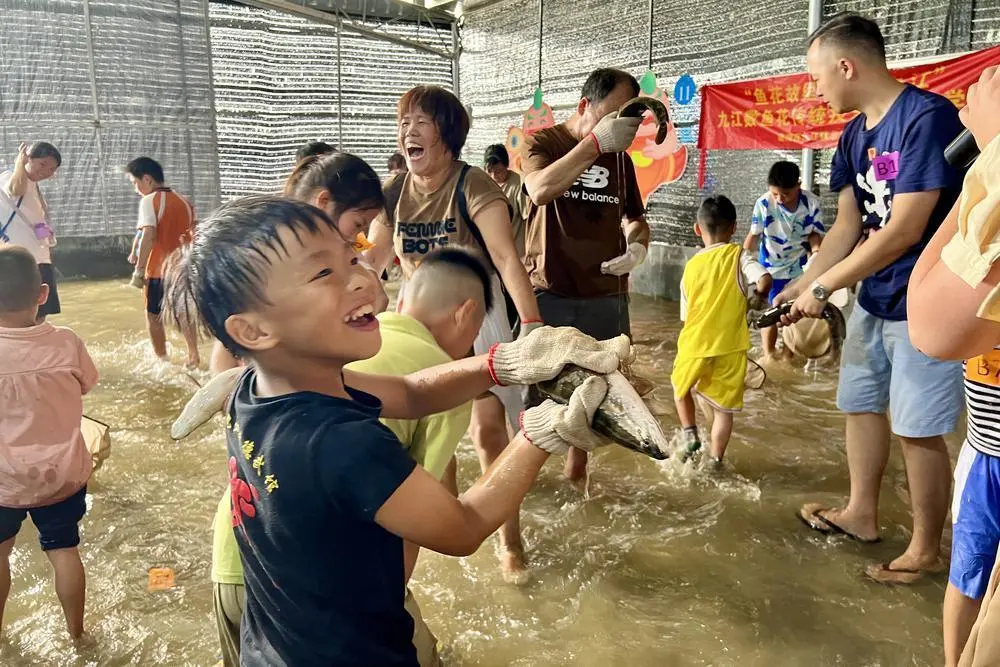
(712, 348)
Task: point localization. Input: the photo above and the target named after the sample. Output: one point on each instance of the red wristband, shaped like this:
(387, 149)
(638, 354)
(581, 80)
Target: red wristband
(489, 365)
(597, 143)
(532, 322)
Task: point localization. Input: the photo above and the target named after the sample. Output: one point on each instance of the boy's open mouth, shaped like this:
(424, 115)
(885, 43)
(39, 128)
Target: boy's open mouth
(362, 318)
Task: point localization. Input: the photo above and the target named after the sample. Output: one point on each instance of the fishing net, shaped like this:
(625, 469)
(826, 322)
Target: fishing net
(97, 437)
(755, 376)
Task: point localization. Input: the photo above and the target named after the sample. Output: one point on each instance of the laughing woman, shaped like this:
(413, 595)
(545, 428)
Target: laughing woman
(443, 201)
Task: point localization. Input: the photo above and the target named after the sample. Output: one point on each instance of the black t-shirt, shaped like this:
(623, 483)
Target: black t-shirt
(324, 582)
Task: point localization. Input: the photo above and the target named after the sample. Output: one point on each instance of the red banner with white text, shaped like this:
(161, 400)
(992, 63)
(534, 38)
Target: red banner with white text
(783, 112)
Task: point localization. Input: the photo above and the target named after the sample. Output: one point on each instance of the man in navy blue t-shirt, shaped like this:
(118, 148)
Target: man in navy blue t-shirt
(895, 189)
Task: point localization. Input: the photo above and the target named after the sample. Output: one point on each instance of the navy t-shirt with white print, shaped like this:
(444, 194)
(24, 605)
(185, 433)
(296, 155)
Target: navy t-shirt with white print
(324, 582)
(911, 137)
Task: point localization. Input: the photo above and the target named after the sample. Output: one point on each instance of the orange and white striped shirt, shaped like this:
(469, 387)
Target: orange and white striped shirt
(173, 217)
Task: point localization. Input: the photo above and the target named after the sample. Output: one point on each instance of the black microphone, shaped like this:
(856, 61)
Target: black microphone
(963, 151)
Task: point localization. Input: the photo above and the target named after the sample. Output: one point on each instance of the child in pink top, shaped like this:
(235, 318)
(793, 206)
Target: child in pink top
(44, 463)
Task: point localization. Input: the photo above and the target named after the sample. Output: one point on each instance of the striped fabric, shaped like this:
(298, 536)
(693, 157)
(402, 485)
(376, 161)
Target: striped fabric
(983, 403)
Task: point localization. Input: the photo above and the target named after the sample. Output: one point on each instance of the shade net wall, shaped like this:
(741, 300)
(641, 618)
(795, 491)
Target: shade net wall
(715, 41)
(122, 80)
(276, 86)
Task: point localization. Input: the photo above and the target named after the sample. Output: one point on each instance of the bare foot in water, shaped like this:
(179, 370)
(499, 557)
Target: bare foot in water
(192, 363)
(512, 564)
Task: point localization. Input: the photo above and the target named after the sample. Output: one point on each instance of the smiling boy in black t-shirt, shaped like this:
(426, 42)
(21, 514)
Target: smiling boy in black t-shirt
(321, 492)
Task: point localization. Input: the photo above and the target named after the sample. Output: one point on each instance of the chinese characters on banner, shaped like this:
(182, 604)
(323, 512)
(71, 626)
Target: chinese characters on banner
(784, 113)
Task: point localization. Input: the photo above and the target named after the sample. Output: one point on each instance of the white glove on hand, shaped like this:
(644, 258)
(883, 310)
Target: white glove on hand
(633, 257)
(138, 280)
(614, 135)
(543, 353)
(528, 327)
(555, 428)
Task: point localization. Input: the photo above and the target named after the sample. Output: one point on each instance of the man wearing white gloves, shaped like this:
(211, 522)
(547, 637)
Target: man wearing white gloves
(586, 229)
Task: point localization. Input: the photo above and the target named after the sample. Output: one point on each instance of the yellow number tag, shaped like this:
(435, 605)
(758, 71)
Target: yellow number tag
(984, 369)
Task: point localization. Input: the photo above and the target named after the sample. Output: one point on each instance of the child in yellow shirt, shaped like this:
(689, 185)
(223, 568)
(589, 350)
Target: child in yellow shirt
(712, 348)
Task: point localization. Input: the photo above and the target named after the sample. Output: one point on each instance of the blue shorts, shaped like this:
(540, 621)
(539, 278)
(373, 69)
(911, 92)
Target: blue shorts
(58, 524)
(881, 371)
(777, 284)
(976, 515)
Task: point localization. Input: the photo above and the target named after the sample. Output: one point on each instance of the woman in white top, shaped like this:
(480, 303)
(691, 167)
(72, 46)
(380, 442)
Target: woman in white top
(24, 214)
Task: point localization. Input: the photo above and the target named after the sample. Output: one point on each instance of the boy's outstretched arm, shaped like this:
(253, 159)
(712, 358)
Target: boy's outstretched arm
(424, 512)
(535, 358)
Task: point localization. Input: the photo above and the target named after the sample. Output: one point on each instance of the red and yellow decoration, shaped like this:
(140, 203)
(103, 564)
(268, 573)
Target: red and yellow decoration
(656, 164)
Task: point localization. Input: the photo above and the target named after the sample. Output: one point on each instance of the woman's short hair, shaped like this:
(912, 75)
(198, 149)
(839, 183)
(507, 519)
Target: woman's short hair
(450, 117)
(43, 149)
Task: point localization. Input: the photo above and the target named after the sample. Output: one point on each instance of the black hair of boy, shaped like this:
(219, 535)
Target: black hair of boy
(145, 166)
(854, 32)
(784, 175)
(222, 273)
(464, 261)
(496, 154)
(717, 215)
(20, 279)
(311, 148)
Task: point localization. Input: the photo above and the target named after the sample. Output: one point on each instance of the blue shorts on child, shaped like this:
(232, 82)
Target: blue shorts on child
(58, 524)
(975, 513)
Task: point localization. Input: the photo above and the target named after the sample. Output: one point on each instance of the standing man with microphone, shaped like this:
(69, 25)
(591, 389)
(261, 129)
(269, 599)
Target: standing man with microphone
(895, 188)
(586, 228)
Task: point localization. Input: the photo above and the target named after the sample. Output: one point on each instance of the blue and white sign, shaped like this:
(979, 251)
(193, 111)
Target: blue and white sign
(685, 90)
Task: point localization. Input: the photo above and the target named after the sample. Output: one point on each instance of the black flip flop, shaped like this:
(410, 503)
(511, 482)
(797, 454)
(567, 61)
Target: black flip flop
(832, 528)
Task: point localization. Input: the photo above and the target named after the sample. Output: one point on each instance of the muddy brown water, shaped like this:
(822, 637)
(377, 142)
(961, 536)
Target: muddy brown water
(660, 564)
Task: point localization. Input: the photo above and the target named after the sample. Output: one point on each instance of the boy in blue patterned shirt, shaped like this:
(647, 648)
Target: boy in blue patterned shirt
(791, 223)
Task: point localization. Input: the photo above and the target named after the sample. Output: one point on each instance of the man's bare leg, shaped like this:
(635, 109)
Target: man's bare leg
(928, 474)
(867, 436)
(191, 339)
(5, 549)
(157, 335)
(71, 586)
(575, 469)
(489, 435)
(960, 615)
(769, 341)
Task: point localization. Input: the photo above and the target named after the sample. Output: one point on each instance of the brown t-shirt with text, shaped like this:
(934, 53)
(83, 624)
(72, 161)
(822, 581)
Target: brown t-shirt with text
(423, 222)
(568, 238)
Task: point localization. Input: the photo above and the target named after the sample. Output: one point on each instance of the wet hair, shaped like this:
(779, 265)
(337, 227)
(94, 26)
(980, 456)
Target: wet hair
(853, 33)
(43, 149)
(717, 214)
(145, 166)
(396, 161)
(224, 270)
(450, 117)
(313, 148)
(602, 83)
(20, 280)
(464, 261)
(351, 182)
(496, 154)
(784, 175)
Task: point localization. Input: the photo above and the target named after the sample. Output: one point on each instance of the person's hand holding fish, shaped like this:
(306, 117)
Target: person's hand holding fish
(543, 353)
(555, 428)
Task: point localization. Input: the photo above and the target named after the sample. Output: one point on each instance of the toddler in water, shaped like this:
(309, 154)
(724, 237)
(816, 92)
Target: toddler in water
(44, 463)
(712, 348)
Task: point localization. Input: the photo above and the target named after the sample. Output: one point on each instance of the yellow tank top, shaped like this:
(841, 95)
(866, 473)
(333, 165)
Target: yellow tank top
(716, 306)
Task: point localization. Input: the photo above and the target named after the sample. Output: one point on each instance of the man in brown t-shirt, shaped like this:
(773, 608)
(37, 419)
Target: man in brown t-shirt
(586, 228)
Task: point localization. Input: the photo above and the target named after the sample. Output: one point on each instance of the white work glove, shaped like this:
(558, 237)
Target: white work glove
(614, 135)
(543, 353)
(528, 327)
(634, 255)
(138, 280)
(555, 428)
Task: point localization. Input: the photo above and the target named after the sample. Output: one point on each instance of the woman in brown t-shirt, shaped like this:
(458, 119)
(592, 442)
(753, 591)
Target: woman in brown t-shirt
(424, 212)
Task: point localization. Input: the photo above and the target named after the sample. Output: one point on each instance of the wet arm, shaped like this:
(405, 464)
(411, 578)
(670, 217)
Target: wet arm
(547, 184)
(18, 183)
(636, 230)
(839, 242)
(752, 242)
(428, 391)
(380, 235)
(145, 248)
(423, 512)
(494, 224)
(911, 212)
(936, 295)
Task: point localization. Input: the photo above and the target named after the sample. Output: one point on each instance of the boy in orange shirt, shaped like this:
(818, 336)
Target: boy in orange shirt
(166, 220)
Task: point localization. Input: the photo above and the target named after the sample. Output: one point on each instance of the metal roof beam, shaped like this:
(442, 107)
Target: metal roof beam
(340, 18)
